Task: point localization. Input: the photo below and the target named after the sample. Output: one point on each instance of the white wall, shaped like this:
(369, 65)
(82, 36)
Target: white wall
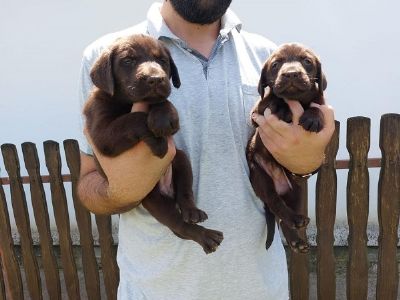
(41, 44)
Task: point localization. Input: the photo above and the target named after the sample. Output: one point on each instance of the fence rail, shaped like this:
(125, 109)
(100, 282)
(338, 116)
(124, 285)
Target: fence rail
(358, 142)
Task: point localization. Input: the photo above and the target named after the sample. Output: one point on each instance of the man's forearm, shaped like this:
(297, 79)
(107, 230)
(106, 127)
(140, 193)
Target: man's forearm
(131, 176)
(95, 195)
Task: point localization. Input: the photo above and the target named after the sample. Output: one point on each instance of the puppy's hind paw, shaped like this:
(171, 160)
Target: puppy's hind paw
(299, 246)
(301, 221)
(210, 240)
(296, 221)
(193, 215)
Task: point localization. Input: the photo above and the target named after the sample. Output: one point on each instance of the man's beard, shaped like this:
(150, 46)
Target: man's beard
(201, 11)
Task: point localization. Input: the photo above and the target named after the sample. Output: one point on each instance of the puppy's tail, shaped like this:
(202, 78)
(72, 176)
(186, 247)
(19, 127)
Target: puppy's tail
(270, 218)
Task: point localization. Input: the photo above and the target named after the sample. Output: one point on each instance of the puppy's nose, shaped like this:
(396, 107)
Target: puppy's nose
(292, 74)
(153, 80)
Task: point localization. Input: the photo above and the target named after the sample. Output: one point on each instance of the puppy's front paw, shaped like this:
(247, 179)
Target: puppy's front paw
(158, 145)
(312, 120)
(162, 125)
(282, 111)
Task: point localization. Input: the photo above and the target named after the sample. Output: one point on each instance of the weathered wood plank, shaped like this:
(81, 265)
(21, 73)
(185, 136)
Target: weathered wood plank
(60, 207)
(388, 207)
(2, 288)
(325, 209)
(9, 263)
(40, 210)
(84, 222)
(358, 142)
(345, 163)
(11, 163)
(298, 263)
(108, 256)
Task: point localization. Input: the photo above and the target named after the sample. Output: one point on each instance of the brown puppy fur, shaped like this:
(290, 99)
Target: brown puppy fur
(291, 72)
(134, 69)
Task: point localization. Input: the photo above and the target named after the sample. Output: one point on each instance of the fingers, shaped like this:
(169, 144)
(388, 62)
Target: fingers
(171, 147)
(329, 117)
(328, 112)
(270, 136)
(271, 139)
(270, 122)
(259, 119)
(140, 106)
(297, 110)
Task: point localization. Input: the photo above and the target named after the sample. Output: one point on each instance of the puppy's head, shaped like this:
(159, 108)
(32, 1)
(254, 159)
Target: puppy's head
(293, 72)
(136, 68)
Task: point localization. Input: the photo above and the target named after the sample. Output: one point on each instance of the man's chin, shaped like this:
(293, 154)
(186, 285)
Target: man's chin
(201, 12)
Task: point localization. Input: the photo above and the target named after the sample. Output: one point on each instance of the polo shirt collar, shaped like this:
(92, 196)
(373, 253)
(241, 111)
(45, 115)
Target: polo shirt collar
(157, 28)
(229, 22)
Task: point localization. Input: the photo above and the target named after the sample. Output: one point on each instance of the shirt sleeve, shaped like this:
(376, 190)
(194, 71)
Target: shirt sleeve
(85, 86)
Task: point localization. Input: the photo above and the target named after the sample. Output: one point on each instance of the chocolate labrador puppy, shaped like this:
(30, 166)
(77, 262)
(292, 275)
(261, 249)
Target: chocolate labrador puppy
(291, 72)
(138, 69)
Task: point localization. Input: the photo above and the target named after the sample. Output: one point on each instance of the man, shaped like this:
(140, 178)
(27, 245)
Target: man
(219, 65)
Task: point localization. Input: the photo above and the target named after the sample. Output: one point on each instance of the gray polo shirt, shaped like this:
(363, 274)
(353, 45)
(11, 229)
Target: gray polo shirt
(213, 102)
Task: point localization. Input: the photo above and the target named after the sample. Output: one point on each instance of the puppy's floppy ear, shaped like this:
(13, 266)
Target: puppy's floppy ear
(321, 79)
(176, 81)
(102, 74)
(263, 83)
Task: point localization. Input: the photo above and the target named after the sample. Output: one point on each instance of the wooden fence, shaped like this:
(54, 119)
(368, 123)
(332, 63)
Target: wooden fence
(358, 138)
(9, 263)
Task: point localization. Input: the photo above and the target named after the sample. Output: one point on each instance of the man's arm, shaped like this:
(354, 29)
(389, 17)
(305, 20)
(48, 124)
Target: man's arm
(131, 176)
(298, 150)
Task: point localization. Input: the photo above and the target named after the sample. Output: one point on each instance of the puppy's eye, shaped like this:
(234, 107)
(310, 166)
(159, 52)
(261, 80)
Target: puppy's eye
(164, 60)
(274, 65)
(128, 61)
(307, 61)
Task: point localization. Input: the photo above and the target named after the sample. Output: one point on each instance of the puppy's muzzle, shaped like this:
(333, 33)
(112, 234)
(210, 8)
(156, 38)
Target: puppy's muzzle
(293, 72)
(292, 75)
(154, 81)
(156, 85)
(152, 70)
(291, 78)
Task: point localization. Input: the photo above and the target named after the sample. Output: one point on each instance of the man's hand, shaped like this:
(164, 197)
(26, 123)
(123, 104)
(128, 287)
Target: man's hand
(298, 150)
(131, 176)
(140, 156)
